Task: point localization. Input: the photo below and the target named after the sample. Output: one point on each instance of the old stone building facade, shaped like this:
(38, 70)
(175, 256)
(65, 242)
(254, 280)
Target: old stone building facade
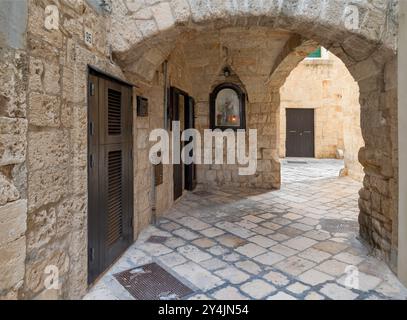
(325, 85)
(154, 45)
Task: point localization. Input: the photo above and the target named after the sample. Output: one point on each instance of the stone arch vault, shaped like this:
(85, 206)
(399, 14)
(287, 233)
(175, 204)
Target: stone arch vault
(142, 36)
(43, 117)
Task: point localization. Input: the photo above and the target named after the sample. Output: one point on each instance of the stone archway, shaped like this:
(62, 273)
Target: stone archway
(44, 122)
(142, 37)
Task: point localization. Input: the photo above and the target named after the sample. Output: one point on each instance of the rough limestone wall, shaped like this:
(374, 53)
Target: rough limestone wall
(352, 132)
(13, 131)
(177, 76)
(57, 144)
(379, 197)
(250, 54)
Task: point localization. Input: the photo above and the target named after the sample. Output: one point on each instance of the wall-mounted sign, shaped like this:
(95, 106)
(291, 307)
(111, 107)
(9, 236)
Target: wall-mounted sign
(88, 37)
(142, 107)
(227, 107)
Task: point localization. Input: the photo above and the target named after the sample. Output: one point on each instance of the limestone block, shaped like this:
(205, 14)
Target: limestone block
(52, 78)
(264, 166)
(73, 26)
(36, 20)
(48, 149)
(46, 186)
(13, 140)
(79, 142)
(142, 139)
(163, 15)
(143, 161)
(19, 178)
(13, 71)
(41, 228)
(12, 221)
(202, 10)
(39, 48)
(365, 69)
(8, 191)
(44, 110)
(148, 28)
(36, 72)
(129, 37)
(12, 258)
(79, 180)
(48, 295)
(35, 275)
(67, 114)
(68, 83)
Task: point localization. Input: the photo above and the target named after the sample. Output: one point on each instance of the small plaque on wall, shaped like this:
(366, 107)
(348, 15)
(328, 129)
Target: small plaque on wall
(142, 107)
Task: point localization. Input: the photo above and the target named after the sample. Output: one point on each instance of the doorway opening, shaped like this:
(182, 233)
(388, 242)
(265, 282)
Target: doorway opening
(182, 109)
(110, 172)
(320, 113)
(300, 133)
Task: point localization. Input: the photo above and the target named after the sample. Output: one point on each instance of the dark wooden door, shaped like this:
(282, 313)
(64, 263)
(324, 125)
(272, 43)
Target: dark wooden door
(177, 101)
(300, 133)
(182, 110)
(110, 183)
(190, 170)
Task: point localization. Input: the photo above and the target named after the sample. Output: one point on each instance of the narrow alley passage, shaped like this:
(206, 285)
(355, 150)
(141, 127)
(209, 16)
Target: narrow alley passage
(300, 242)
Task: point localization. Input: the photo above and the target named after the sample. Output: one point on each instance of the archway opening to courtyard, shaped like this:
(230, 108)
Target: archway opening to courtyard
(320, 138)
(229, 227)
(230, 230)
(229, 237)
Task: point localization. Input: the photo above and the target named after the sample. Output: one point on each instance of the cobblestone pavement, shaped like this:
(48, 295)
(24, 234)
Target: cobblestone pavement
(300, 242)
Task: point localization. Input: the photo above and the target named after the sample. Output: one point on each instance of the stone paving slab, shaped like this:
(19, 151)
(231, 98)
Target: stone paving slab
(242, 244)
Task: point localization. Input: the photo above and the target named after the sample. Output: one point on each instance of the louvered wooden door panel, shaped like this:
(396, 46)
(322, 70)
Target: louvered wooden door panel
(110, 172)
(115, 205)
(114, 126)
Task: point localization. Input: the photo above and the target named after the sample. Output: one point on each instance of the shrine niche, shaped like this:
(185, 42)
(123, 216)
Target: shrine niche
(227, 107)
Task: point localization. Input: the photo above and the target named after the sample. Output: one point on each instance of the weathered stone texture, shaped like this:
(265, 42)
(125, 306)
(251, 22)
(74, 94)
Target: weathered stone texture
(52, 123)
(364, 50)
(13, 144)
(57, 144)
(12, 247)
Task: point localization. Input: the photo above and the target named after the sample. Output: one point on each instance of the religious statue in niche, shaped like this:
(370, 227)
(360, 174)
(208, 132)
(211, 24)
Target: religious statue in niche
(227, 107)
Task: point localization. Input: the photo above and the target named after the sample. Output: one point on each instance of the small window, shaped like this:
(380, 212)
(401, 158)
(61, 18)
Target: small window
(320, 53)
(317, 54)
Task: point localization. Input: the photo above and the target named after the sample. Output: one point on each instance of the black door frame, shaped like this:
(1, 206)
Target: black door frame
(188, 183)
(97, 251)
(190, 169)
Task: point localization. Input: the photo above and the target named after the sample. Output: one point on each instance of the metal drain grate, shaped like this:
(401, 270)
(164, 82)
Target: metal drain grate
(339, 226)
(151, 282)
(157, 239)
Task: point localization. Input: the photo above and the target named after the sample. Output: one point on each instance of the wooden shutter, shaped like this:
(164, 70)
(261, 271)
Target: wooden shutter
(110, 172)
(114, 196)
(114, 112)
